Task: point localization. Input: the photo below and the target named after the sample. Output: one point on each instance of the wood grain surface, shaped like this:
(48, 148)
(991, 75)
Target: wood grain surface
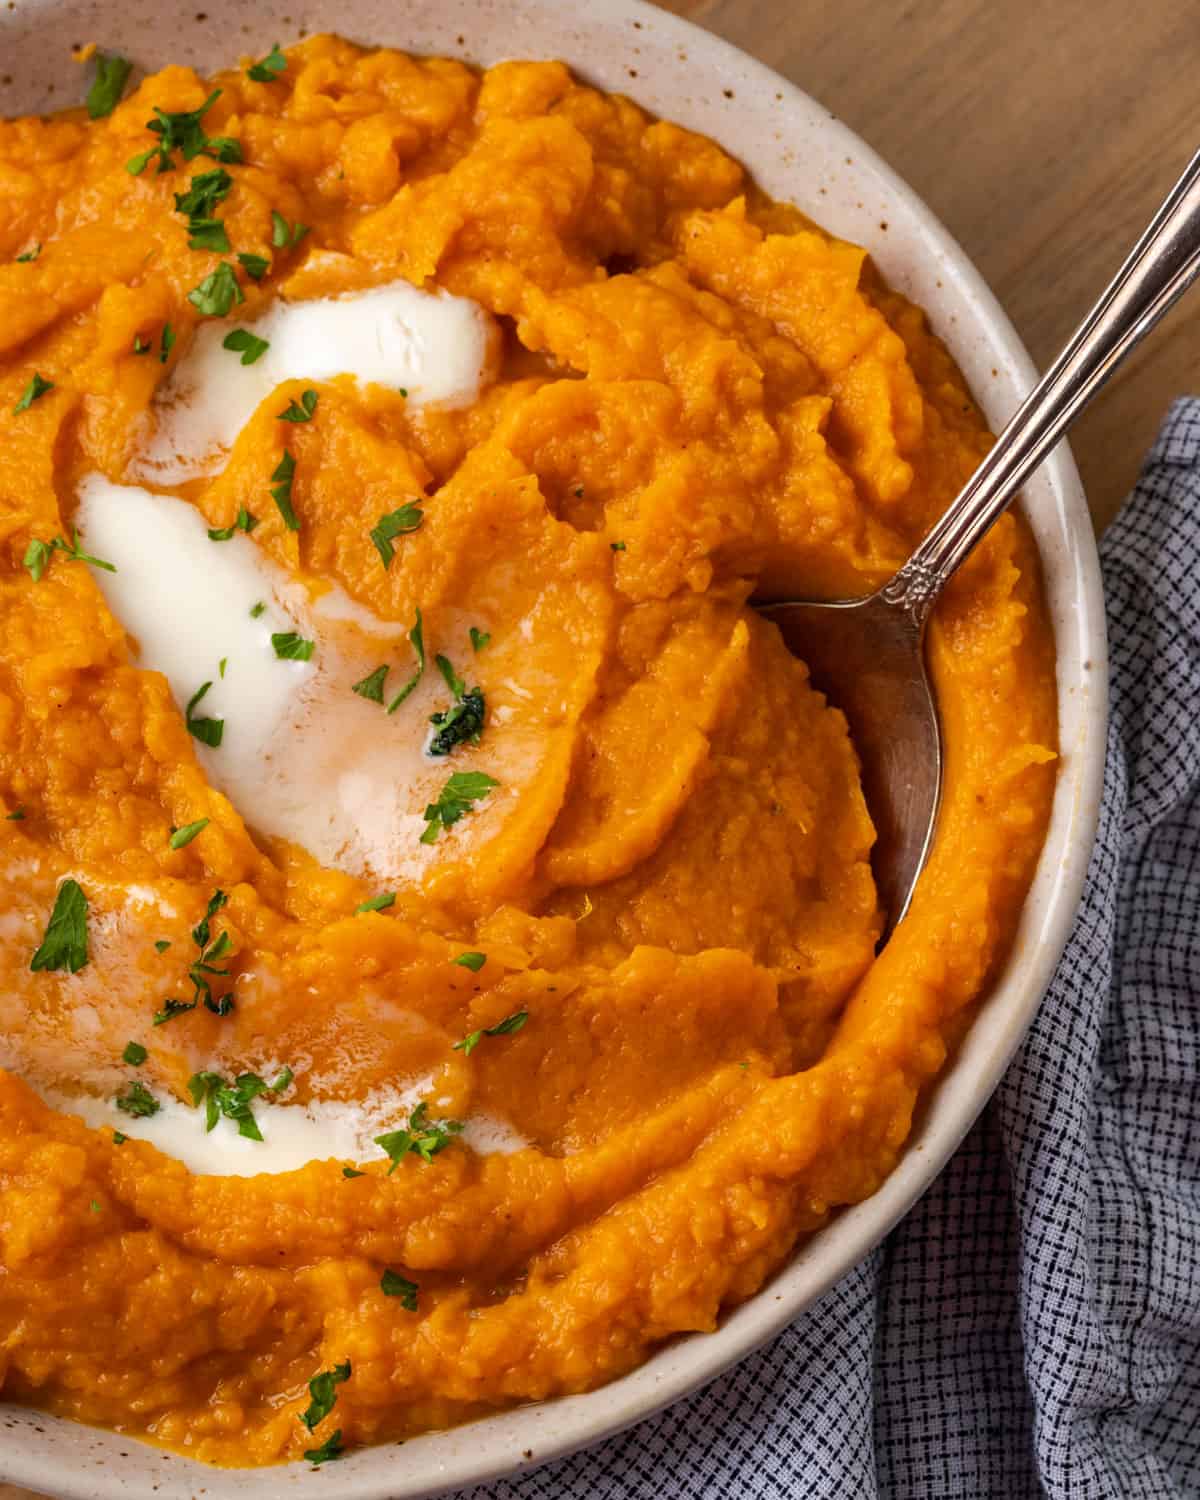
(1043, 133)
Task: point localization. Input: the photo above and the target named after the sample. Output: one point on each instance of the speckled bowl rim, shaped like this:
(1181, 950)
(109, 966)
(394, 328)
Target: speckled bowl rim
(797, 150)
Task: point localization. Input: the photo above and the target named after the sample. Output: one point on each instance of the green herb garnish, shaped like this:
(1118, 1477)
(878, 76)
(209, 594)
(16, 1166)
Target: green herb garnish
(207, 731)
(371, 686)
(458, 797)
(182, 837)
(281, 491)
(112, 74)
(459, 725)
(38, 554)
(416, 638)
(16, 816)
(393, 1285)
(64, 945)
(302, 410)
(255, 266)
(134, 1054)
(472, 961)
(245, 343)
(479, 638)
(137, 1100)
(162, 944)
(377, 903)
(28, 255)
(291, 647)
(256, 610)
(217, 293)
(506, 1027)
(184, 133)
(171, 1009)
(270, 68)
(166, 343)
(140, 345)
(119, 1139)
(34, 391)
(329, 1449)
(198, 204)
(322, 1389)
(245, 522)
(282, 237)
(349, 1172)
(393, 524)
(233, 1100)
(422, 1137)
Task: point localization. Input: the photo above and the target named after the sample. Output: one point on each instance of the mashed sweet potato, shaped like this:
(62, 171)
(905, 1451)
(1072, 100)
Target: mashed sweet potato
(700, 395)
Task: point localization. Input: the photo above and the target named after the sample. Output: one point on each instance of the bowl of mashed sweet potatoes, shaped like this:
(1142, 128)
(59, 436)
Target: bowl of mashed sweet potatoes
(567, 1023)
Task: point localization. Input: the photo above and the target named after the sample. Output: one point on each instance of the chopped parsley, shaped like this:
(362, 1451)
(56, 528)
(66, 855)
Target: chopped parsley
(16, 816)
(245, 343)
(449, 676)
(330, 1448)
(171, 1009)
(205, 964)
(233, 1100)
(184, 133)
(257, 609)
(507, 1027)
(65, 944)
(32, 254)
(458, 796)
(416, 638)
(302, 410)
(422, 1137)
(134, 1054)
(289, 646)
(245, 522)
(217, 293)
(282, 237)
(281, 491)
(255, 266)
(166, 343)
(393, 524)
(198, 205)
(137, 1100)
(162, 944)
(34, 391)
(38, 554)
(393, 1285)
(322, 1389)
(112, 74)
(479, 638)
(207, 731)
(351, 1172)
(119, 1139)
(270, 68)
(371, 686)
(377, 903)
(617, 546)
(140, 345)
(472, 961)
(460, 724)
(182, 837)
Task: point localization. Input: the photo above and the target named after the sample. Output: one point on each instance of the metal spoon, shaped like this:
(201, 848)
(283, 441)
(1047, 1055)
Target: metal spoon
(868, 654)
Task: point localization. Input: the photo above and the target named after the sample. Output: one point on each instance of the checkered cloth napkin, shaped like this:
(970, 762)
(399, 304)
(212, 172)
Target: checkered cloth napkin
(1033, 1326)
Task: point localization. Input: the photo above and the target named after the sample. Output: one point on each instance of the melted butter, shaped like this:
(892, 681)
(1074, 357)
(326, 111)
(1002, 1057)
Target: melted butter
(435, 348)
(302, 757)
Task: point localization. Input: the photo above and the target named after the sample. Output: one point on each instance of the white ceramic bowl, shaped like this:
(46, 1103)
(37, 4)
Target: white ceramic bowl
(798, 151)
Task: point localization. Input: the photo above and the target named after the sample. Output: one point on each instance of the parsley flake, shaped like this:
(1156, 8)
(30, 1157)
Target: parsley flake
(119, 1138)
(393, 1285)
(16, 816)
(458, 797)
(38, 554)
(207, 731)
(140, 345)
(269, 69)
(233, 1100)
(182, 837)
(137, 1100)
(134, 1054)
(377, 903)
(322, 1389)
(166, 343)
(184, 133)
(472, 961)
(64, 945)
(479, 638)
(217, 293)
(31, 254)
(256, 610)
(282, 237)
(281, 491)
(245, 522)
(507, 1027)
(371, 686)
(460, 724)
(243, 342)
(162, 944)
(329, 1449)
(422, 1137)
(416, 638)
(198, 204)
(289, 646)
(393, 524)
(350, 1172)
(112, 74)
(34, 391)
(255, 266)
(171, 1009)
(302, 410)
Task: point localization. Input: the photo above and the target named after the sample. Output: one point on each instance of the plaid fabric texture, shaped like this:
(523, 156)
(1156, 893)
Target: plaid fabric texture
(1033, 1326)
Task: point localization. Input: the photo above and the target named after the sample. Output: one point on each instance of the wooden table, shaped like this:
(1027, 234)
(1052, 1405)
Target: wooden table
(1042, 132)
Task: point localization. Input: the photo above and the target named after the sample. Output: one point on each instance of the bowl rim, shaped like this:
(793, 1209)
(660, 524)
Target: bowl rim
(38, 1453)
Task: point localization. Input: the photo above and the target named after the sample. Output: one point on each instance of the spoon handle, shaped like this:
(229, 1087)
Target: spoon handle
(1158, 270)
